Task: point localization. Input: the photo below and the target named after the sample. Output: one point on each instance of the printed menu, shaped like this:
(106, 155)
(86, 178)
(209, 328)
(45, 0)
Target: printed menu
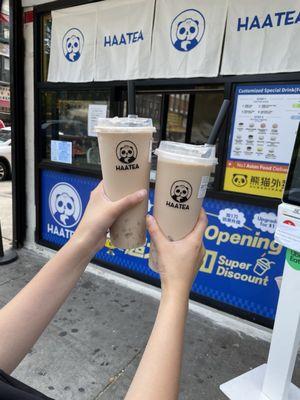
(264, 128)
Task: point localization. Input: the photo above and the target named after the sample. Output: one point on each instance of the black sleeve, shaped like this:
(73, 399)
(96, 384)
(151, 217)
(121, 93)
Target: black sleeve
(12, 389)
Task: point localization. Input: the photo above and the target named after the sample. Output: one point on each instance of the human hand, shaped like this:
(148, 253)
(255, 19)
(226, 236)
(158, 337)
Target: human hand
(99, 216)
(178, 261)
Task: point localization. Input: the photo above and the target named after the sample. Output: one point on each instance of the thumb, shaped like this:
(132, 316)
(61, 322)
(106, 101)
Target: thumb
(157, 236)
(129, 201)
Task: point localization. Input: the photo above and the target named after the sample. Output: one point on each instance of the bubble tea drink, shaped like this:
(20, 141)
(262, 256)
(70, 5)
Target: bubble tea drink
(125, 152)
(183, 173)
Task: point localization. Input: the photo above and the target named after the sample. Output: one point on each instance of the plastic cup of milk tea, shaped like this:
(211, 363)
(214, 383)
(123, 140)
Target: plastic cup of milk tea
(183, 174)
(125, 146)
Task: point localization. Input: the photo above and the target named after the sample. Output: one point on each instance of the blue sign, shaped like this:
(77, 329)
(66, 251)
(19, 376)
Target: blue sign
(187, 30)
(243, 265)
(72, 43)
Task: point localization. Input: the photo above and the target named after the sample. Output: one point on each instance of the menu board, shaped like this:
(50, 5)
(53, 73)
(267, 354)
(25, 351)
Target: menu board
(264, 126)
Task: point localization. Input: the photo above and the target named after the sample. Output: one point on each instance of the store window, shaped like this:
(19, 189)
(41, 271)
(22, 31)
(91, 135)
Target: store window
(65, 118)
(206, 109)
(149, 105)
(177, 117)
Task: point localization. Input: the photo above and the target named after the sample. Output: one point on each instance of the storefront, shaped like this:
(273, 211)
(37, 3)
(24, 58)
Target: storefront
(243, 265)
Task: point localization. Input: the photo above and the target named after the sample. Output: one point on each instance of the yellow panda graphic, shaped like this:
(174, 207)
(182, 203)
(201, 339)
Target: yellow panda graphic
(239, 180)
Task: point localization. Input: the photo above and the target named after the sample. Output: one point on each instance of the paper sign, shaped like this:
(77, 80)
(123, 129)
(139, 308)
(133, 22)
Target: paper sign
(61, 151)
(95, 111)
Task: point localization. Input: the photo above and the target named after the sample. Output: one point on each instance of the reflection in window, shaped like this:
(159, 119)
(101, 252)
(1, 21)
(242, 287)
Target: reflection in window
(65, 117)
(46, 44)
(207, 107)
(177, 117)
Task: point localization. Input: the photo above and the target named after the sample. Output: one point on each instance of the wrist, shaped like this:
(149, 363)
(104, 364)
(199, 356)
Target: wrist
(84, 245)
(175, 293)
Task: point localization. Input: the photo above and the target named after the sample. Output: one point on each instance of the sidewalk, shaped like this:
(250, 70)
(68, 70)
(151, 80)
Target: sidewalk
(94, 344)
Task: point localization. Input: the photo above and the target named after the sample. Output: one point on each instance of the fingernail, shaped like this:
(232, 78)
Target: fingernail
(142, 193)
(150, 219)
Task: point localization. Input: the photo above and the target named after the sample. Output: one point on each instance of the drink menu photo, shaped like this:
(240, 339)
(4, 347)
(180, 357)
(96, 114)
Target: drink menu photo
(263, 132)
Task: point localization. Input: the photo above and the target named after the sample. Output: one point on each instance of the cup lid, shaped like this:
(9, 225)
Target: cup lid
(188, 152)
(132, 122)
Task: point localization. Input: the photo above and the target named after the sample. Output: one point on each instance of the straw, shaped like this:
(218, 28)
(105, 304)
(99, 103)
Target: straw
(216, 130)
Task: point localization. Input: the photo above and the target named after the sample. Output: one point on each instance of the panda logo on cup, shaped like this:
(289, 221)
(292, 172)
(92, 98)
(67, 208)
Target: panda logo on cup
(72, 43)
(126, 153)
(180, 192)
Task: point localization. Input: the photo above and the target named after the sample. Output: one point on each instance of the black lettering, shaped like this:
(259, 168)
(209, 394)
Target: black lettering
(178, 206)
(127, 167)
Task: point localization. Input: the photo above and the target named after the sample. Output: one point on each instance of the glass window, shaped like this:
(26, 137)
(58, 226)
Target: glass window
(65, 117)
(46, 44)
(6, 63)
(177, 117)
(6, 33)
(4, 73)
(149, 106)
(206, 109)
(5, 135)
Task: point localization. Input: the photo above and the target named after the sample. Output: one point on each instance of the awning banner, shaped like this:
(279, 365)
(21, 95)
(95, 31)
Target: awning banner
(73, 44)
(262, 36)
(187, 38)
(124, 39)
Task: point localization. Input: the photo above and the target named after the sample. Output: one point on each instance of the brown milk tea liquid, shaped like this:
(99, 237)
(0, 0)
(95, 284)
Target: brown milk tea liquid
(125, 162)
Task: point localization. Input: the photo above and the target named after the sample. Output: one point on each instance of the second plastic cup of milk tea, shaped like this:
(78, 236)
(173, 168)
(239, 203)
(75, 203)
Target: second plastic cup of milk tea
(183, 173)
(125, 152)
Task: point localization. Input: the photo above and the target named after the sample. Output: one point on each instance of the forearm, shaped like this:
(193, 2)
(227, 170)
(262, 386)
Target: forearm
(159, 371)
(26, 316)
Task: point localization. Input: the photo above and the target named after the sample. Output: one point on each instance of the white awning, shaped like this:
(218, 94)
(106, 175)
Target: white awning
(31, 3)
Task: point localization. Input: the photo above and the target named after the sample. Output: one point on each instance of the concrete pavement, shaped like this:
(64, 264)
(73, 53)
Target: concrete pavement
(94, 344)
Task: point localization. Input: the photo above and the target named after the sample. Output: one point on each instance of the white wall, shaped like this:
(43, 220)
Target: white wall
(29, 130)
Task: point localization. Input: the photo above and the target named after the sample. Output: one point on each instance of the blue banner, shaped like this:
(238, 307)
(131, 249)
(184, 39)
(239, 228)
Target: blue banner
(243, 265)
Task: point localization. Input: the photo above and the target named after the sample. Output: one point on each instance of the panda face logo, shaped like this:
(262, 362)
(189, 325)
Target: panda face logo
(73, 42)
(126, 152)
(181, 191)
(187, 30)
(65, 205)
(240, 180)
